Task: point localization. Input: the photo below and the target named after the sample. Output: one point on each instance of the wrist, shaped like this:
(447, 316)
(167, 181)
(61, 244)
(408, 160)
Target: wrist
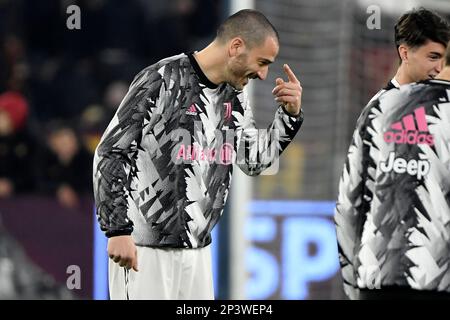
(291, 114)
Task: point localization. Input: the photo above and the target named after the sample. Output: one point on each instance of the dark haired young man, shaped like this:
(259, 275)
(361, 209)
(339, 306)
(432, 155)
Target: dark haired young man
(157, 197)
(393, 210)
(390, 190)
(421, 37)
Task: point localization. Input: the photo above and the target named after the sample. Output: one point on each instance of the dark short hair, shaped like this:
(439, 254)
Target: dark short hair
(418, 26)
(251, 25)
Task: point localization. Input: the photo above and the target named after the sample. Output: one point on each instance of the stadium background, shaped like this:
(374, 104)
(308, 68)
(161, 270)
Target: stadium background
(276, 239)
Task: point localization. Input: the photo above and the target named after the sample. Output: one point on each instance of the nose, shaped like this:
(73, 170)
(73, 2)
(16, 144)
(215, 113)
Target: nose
(262, 74)
(439, 66)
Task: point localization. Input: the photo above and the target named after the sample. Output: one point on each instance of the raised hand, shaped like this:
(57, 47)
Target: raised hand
(288, 93)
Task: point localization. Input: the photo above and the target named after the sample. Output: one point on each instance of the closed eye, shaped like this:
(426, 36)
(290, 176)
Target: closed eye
(264, 62)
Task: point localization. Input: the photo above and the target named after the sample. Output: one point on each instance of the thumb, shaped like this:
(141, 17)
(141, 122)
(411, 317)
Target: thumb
(279, 81)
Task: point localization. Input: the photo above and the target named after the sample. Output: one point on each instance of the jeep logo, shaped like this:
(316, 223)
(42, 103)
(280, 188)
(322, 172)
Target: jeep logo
(413, 167)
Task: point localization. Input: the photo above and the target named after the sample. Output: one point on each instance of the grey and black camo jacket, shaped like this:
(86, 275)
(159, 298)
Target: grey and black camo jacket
(163, 168)
(393, 210)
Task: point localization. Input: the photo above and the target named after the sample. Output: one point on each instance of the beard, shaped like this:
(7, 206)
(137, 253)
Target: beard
(238, 72)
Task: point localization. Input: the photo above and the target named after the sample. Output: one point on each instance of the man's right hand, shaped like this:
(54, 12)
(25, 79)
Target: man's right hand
(122, 250)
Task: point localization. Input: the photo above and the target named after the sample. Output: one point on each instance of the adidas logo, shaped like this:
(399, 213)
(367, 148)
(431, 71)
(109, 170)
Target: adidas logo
(192, 111)
(406, 131)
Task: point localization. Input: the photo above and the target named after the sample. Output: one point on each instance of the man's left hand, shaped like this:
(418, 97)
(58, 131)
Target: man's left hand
(289, 93)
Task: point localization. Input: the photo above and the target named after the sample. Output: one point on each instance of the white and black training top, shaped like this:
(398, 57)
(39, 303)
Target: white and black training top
(163, 167)
(393, 209)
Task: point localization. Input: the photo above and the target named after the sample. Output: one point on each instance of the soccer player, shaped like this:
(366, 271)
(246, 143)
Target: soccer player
(421, 37)
(162, 170)
(393, 210)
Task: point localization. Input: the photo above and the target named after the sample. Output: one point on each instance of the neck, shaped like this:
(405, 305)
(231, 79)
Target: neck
(212, 61)
(444, 74)
(402, 76)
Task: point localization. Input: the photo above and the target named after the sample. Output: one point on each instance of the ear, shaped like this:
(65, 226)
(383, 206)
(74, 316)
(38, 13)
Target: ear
(236, 46)
(403, 52)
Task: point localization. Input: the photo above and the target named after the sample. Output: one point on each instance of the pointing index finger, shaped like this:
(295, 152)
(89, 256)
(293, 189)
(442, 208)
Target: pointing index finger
(290, 74)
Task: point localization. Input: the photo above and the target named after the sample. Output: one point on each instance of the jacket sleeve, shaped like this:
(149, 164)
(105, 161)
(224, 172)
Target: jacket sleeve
(350, 206)
(258, 149)
(116, 155)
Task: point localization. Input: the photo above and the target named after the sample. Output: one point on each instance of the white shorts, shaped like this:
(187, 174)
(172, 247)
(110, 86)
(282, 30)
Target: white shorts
(164, 274)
